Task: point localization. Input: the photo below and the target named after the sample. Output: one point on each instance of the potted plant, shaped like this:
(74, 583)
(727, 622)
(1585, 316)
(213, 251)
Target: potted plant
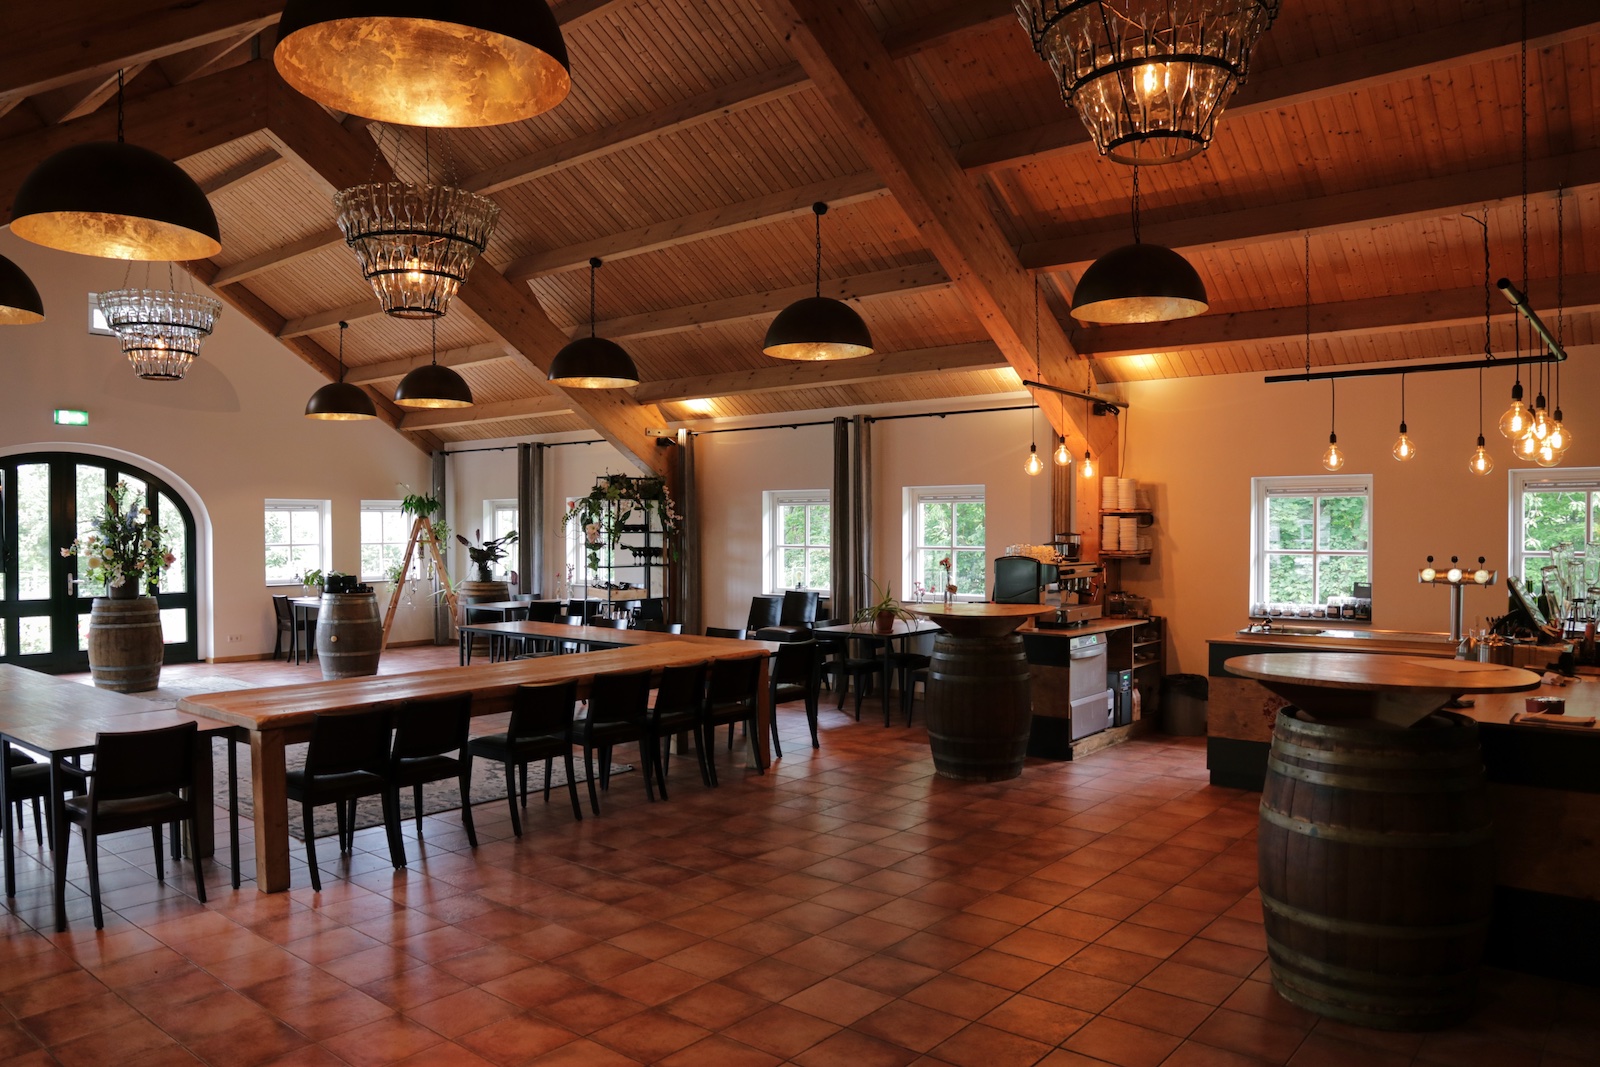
(128, 553)
(884, 610)
(312, 579)
(485, 555)
(618, 501)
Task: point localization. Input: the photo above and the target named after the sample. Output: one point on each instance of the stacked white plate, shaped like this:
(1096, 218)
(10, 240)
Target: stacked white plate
(1110, 533)
(1128, 534)
(1127, 494)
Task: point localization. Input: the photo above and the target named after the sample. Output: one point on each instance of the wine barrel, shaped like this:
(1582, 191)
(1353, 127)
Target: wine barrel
(978, 707)
(481, 593)
(349, 635)
(1376, 869)
(125, 644)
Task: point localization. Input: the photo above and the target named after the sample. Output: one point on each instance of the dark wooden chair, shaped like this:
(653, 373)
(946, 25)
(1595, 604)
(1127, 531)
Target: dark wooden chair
(908, 690)
(26, 780)
(729, 632)
(652, 610)
(796, 615)
(733, 695)
(660, 627)
(903, 665)
(618, 706)
(347, 759)
(283, 613)
(679, 698)
(796, 675)
(142, 778)
(540, 728)
(765, 610)
(426, 732)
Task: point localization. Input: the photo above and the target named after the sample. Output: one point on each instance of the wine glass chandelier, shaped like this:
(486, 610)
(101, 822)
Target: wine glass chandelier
(1148, 78)
(160, 330)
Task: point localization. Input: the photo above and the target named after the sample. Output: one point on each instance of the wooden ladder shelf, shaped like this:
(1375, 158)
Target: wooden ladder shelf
(421, 531)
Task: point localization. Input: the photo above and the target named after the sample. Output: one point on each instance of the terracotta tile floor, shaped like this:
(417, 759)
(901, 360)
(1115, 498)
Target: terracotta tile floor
(847, 908)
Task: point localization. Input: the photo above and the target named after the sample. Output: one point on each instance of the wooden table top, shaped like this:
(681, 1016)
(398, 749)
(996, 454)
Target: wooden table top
(1366, 671)
(982, 610)
(291, 706)
(62, 717)
(607, 635)
(902, 628)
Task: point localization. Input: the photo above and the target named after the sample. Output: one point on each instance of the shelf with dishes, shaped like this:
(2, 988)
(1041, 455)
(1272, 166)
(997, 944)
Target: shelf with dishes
(1122, 536)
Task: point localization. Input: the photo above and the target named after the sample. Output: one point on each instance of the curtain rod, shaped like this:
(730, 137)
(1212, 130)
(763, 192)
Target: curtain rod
(508, 448)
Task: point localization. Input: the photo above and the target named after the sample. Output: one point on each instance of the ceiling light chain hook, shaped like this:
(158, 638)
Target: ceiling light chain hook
(1136, 204)
(819, 209)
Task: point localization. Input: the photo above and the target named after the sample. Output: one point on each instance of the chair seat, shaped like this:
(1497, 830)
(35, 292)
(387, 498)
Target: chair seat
(670, 722)
(502, 747)
(784, 633)
(424, 769)
(326, 788)
(130, 813)
(28, 780)
(785, 692)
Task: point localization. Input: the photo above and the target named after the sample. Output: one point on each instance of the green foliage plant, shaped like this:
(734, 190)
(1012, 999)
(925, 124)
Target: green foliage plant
(610, 505)
(487, 553)
(884, 601)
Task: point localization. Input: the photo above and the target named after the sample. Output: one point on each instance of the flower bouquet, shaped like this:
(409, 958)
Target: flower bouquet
(124, 550)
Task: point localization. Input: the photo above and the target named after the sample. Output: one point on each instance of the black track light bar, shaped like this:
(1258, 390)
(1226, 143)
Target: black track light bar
(1103, 405)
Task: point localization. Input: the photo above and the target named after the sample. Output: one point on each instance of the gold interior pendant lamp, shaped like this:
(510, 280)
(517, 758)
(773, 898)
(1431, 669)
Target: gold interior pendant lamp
(593, 362)
(19, 299)
(340, 401)
(1139, 283)
(432, 386)
(117, 201)
(818, 327)
(1148, 78)
(424, 62)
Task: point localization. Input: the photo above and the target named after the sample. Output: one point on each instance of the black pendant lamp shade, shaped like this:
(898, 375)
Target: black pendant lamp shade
(593, 362)
(1139, 283)
(117, 201)
(426, 62)
(818, 327)
(340, 401)
(433, 386)
(19, 300)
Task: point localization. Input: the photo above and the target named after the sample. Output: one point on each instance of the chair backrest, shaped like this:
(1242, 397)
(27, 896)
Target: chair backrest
(652, 610)
(569, 620)
(764, 611)
(542, 612)
(723, 631)
(281, 611)
(348, 741)
(799, 608)
(660, 627)
(622, 696)
(620, 623)
(543, 710)
(476, 614)
(142, 763)
(734, 682)
(681, 689)
(431, 727)
(795, 664)
(586, 608)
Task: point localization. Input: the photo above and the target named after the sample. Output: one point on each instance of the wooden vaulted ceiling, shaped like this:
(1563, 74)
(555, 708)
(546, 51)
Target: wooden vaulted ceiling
(699, 132)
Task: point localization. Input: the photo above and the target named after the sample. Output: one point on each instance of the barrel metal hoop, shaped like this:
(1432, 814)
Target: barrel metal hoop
(1334, 925)
(1334, 983)
(1468, 757)
(1374, 838)
(1365, 784)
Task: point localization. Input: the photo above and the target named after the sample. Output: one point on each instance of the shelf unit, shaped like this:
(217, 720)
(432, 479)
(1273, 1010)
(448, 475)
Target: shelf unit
(638, 558)
(1143, 648)
(1146, 518)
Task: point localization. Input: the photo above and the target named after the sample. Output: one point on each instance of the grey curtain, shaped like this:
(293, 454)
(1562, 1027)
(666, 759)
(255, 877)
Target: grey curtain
(532, 515)
(843, 547)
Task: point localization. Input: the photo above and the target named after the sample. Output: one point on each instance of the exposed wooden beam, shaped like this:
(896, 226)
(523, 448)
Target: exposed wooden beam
(1380, 206)
(835, 43)
(199, 62)
(281, 256)
(730, 218)
(706, 107)
(182, 121)
(46, 47)
(756, 305)
(241, 173)
(574, 13)
(979, 355)
(301, 130)
(321, 320)
(538, 407)
(936, 29)
(1286, 325)
(81, 98)
(1373, 63)
(471, 356)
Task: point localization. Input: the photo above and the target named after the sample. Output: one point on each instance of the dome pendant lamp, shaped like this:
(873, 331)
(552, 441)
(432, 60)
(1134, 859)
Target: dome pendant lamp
(433, 386)
(818, 327)
(117, 201)
(19, 300)
(593, 362)
(1139, 283)
(339, 401)
(425, 62)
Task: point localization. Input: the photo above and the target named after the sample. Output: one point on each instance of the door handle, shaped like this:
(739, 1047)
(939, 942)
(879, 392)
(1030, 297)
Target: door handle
(72, 585)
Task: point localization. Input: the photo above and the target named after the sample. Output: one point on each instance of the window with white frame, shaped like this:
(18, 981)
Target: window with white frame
(578, 569)
(1549, 511)
(296, 535)
(500, 517)
(385, 529)
(1311, 539)
(946, 522)
(799, 539)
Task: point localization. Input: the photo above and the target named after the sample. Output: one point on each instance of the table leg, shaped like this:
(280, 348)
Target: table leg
(203, 836)
(58, 842)
(761, 740)
(233, 806)
(463, 647)
(888, 648)
(271, 799)
(5, 813)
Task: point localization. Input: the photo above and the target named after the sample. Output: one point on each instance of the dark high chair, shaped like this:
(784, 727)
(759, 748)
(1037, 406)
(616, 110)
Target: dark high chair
(617, 714)
(733, 695)
(796, 614)
(796, 675)
(540, 728)
(426, 732)
(347, 759)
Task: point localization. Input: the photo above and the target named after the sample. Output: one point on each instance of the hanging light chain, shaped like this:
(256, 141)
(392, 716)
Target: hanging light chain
(343, 326)
(1522, 96)
(818, 209)
(594, 267)
(120, 123)
(1307, 269)
(1136, 204)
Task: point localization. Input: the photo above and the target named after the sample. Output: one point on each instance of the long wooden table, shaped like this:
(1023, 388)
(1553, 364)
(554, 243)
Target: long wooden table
(280, 716)
(587, 636)
(61, 719)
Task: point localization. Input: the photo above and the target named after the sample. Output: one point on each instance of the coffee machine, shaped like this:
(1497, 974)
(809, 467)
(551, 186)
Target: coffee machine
(1080, 584)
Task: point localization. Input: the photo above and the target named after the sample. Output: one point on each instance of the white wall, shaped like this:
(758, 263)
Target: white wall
(233, 431)
(1195, 444)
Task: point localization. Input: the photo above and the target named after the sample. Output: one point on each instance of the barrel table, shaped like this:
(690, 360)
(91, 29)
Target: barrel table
(125, 643)
(349, 635)
(979, 706)
(1375, 847)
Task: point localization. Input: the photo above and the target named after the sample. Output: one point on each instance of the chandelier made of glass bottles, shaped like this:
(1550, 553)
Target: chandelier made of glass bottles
(1148, 78)
(160, 330)
(415, 242)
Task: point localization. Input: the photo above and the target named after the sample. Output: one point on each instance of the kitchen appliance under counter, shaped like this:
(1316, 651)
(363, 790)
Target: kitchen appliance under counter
(1074, 709)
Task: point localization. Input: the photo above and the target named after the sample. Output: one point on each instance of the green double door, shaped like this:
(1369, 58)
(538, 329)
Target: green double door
(49, 500)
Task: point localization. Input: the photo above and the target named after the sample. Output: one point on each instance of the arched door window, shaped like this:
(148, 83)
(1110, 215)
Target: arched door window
(49, 499)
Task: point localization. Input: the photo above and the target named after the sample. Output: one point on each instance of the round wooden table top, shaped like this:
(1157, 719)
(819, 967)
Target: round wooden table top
(1371, 671)
(979, 620)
